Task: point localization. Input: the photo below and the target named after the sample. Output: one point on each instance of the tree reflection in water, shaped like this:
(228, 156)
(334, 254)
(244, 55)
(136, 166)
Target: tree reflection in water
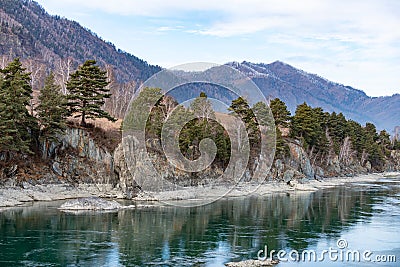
(230, 229)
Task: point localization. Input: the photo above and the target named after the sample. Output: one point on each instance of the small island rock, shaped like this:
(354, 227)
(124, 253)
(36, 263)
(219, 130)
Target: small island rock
(252, 263)
(90, 203)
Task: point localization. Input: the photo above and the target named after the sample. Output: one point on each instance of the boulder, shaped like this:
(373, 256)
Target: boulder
(56, 168)
(288, 176)
(319, 172)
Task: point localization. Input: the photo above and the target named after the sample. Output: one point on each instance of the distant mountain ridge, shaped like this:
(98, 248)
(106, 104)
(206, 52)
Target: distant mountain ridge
(295, 86)
(28, 31)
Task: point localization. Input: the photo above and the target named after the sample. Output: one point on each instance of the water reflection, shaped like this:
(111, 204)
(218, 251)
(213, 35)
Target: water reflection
(230, 229)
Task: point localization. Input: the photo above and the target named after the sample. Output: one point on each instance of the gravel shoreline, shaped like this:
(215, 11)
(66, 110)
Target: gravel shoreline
(211, 193)
(16, 196)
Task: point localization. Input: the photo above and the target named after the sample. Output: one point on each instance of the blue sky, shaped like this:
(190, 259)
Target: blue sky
(354, 42)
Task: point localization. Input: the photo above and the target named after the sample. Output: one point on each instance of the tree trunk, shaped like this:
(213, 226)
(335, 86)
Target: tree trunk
(45, 149)
(83, 122)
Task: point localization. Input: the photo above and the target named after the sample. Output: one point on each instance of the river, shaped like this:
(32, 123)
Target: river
(354, 220)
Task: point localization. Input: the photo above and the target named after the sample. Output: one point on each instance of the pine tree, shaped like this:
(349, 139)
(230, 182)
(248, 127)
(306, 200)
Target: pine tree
(281, 147)
(337, 125)
(87, 93)
(309, 125)
(242, 109)
(280, 112)
(263, 114)
(356, 133)
(304, 124)
(396, 144)
(51, 111)
(16, 124)
(384, 142)
(321, 118)
(374, 151)
(281, 116)
(141, 108)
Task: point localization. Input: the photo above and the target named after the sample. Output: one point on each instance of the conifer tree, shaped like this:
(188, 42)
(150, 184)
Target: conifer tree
(16, 124)
(375, 153)
(396, 144)
(87, 93)
(309, 124)
(384, 142)
(245, 113)
(263, 114)
(51, 111)
(280, 112)
(304, 124)
(242, 110)
(357, 136)
(281, 116)
(337, 125)
(141, 108)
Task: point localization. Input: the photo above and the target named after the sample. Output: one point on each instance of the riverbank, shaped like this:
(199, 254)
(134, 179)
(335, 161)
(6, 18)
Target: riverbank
(15, 196)
(249, 189)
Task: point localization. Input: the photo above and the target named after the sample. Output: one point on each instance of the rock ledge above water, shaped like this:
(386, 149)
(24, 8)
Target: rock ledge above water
(90, 203)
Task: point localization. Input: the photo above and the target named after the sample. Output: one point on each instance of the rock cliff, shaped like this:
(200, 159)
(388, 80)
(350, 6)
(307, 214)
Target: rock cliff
(77, 160)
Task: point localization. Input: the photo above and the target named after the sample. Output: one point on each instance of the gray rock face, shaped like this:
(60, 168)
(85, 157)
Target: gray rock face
(280, 167)
(319, 172)
(90, 203)
(394, 164)
(56, 168)
(77, 159)
(368, 166)
(334, 165)
(76, 156)
(300, 157)
(124, 175)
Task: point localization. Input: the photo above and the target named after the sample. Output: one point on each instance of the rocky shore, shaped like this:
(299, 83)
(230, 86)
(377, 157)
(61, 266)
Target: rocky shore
(252, 189)
(14, 196)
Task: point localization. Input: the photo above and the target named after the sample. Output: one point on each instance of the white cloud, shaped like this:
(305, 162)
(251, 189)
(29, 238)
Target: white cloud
(379, 18)
(169, 28)
(357, 38)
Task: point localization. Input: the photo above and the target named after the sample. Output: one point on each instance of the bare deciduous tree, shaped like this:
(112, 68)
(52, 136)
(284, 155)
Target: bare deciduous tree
(37, 73)
(4, 60)
(121, 94)
(168, 104)
(62, 71)
(202, 108)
